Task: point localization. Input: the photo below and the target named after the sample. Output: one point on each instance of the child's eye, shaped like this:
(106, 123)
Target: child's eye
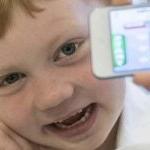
(68, 49)
(11, 79)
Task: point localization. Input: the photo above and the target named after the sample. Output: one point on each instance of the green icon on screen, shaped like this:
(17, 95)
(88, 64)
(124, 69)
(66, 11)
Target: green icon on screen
(119, 50)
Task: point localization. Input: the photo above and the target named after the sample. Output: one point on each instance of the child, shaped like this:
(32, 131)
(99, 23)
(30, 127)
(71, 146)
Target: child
(49, 98)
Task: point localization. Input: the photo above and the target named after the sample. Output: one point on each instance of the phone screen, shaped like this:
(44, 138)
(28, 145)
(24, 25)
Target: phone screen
(130, 38)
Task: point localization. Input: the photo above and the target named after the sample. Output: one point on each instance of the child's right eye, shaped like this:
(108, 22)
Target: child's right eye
(11, 79)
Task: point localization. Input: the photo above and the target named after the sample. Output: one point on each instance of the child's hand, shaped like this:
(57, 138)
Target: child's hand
(9, 140)
(143, 79)
(120, 2)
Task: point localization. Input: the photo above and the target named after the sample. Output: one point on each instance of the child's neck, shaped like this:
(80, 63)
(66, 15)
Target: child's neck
(111, 141)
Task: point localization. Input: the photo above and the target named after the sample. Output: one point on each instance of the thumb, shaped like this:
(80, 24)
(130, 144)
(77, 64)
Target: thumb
(121, 2)
(142, 79)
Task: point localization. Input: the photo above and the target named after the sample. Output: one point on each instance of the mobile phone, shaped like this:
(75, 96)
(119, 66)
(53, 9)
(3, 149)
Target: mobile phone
(120, 40)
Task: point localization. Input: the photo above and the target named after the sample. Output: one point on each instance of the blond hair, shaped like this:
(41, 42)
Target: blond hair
(6, 8)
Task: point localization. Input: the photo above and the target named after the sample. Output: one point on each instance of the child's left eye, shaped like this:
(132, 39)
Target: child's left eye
(68, 49)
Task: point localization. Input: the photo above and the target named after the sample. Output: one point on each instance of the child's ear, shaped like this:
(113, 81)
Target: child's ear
(121, 2)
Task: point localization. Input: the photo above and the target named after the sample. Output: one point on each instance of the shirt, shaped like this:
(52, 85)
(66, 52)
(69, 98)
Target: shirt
(135, 122)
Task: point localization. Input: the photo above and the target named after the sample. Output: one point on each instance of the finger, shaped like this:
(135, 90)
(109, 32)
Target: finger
(121, 2)
(143, 79)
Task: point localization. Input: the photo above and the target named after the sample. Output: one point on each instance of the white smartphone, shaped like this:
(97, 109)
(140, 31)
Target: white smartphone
(120, 40)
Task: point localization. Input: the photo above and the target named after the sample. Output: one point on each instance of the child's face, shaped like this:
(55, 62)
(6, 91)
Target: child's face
(48, 79)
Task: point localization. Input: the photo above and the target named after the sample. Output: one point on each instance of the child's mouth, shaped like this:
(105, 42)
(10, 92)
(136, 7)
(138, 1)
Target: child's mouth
(76, 124)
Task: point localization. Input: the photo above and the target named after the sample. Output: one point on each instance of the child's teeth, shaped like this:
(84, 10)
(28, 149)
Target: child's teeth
(61, 125)
(80, 110)
(83, 119)
(60, 121)
(87, 114)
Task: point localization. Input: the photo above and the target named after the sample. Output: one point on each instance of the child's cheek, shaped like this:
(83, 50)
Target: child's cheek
(16, 110)
(108, 92)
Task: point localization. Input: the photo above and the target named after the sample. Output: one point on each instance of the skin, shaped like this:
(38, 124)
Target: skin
(143, 79)
(121, 2)
(53, 84)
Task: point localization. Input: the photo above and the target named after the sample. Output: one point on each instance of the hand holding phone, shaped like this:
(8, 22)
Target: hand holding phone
(120, 40)
(143, 79)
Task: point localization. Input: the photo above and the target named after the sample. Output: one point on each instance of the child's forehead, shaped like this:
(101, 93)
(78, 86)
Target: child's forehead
(53, 9)
(56, 15)
(52, 23)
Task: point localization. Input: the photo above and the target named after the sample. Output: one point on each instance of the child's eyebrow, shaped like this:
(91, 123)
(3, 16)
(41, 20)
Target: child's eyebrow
(7, 69)
(74, 31)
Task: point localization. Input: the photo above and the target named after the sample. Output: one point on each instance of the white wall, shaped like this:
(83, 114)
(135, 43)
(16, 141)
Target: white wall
(139, 1)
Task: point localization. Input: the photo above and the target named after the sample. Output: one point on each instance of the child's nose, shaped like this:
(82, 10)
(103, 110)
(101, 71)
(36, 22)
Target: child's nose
(52, 95)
